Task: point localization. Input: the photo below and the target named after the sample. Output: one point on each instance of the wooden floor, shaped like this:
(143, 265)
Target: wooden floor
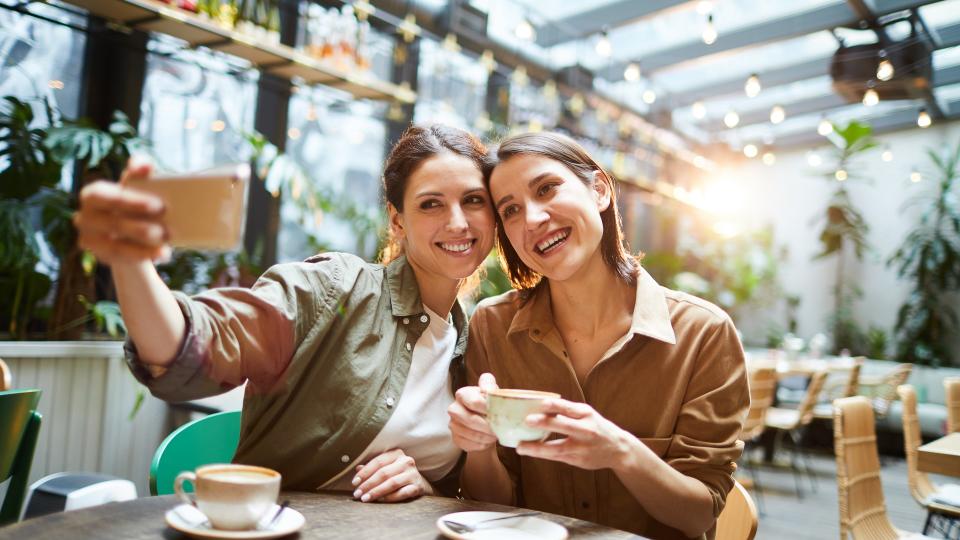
(815, 516)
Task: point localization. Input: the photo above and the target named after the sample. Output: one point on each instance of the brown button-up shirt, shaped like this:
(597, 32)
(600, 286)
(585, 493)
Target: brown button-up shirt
(677, 381)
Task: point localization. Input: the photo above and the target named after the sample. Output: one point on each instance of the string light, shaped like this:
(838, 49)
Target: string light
(870, 97)
(814, 160)
(312, 113)
(487, 61)
(604, 48)
(549, 89)
(409, 28)
(731, 119)
(887, 155)
(915, 177)
(218, 126)
(519, 76)
(632, 72)
(825, 127)
(750, 150)
(56, 84)
(704, 7)
(777, 114)
(525, 31)
(450, 43)
(840, 175)
(709, 34)
(699, 110)
(576, 104)
(885, 69)
(649, 96)
(923, 119)
(189, 123)
(293, 133)
(769, 158)
(752, 86)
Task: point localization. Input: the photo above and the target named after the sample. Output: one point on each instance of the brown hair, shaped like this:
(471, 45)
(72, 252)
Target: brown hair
(417, 145)
(565, 150)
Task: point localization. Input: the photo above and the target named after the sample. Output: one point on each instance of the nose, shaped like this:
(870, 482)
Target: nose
(535, 216)
(458, 219)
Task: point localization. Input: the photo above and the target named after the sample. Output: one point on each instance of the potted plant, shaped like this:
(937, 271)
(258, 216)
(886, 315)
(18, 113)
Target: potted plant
(929, 258)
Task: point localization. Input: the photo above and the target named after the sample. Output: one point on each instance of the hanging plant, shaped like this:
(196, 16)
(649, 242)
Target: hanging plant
(930, 258)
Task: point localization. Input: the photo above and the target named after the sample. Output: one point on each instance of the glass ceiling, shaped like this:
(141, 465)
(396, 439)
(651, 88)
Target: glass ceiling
(775, 37)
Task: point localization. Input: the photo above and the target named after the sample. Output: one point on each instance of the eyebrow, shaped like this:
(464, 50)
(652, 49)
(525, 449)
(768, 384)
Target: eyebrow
(438, 194)
(531, 183)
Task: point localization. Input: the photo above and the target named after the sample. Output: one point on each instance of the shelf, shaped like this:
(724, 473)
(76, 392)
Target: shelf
(279, 60)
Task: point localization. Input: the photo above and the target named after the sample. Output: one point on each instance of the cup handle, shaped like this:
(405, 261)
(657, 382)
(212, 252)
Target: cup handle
(178, 486)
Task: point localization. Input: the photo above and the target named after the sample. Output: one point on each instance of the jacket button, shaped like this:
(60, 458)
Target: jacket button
(406, 320)
(409, 347)
(345, 458)
(390, 402)
(424, 318)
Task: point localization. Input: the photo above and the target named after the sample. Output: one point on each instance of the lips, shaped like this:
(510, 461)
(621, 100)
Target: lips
(552, 241)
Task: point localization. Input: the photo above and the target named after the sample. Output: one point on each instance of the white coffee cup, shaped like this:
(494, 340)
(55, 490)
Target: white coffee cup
(233, 497)
(507, 411)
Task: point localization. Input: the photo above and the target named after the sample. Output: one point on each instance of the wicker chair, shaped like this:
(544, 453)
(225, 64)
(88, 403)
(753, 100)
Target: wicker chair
(792, 422)
(863, 512)
(886, 392)
(763, 389)
(6, 382)
(837, 388)
(943, 513)
(951, 386)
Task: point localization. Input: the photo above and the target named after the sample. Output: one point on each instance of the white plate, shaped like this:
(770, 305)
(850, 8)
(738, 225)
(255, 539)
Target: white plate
(190, 521)
(522, 528)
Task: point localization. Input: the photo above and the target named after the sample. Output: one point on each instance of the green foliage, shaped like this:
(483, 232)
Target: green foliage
(495, 279)
(930, 258)
(844, 224)
(21, 143)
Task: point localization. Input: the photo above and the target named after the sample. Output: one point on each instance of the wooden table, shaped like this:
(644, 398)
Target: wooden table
(329, 515)
(941, 456)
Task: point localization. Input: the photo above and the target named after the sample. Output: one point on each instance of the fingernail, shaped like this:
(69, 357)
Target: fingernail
(356, 480)
(139, 160)
(365, 498)
(356, 494)
(166, 253)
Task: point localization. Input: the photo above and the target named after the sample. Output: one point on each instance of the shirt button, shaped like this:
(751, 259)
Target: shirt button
(409, 347)
(424, 318)
(536, 331)
(406, 320)
(584, 505)
(345, 458)
(390, 402)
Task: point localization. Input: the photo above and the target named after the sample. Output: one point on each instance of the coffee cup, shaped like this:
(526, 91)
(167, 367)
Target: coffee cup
(233, 497)
(507, 410)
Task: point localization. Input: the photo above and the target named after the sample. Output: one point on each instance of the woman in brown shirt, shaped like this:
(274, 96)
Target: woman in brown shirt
(653, 381)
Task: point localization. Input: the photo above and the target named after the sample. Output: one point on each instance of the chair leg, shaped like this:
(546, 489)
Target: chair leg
(797, 437)
(926, 524)
(794, 468)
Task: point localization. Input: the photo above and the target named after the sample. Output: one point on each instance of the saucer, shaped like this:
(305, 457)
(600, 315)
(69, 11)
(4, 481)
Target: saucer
(190, 521)
(521, 528)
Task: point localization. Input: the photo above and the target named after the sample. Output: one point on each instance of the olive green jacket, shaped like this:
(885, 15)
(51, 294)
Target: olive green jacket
(324, 347)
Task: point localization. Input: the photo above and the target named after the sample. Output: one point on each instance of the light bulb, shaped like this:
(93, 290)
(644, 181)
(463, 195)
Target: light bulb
(750, 150)
(632, 72)
(699, 110)
(704, 7)
(218, 126)
(813, 159)
(769, 158)
(752, 86)
(915, 177)
(840, 175)
(604, 48)
(923, 119)
(189, 123)
(649, 96)
(731, 119)
(293, 133)
(825, 128)
(887, 155)
(777, 114)
(709, 34)
(525, 31)
(870, 97)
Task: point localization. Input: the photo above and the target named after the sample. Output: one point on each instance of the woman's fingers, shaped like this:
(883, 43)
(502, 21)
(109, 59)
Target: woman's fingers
(112, 197)
(364, 472)
(111, 250)
(409, 491)
(472, 399)
(388, 478)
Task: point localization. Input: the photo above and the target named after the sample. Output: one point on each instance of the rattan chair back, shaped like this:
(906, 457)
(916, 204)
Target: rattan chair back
(810, 399)
(887, 392)
(920, 485)
(951, 386)
(763, 388)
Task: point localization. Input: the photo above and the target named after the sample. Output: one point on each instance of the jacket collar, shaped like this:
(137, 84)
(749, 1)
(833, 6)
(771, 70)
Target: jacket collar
(405, 299)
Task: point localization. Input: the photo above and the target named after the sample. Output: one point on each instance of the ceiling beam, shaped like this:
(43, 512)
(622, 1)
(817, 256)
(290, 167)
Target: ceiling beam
(591, 21)
(787, 27)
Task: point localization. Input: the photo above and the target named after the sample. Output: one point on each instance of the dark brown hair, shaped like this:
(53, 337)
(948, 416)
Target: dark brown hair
(417, 145)
(565, 150)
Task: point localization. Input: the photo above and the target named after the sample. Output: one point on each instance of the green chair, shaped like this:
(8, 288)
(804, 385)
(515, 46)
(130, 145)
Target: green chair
(19, 429)
(211, 439)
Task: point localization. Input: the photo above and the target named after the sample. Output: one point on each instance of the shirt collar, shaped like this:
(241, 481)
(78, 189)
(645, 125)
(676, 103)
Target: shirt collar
(405, 298)
(651, 317)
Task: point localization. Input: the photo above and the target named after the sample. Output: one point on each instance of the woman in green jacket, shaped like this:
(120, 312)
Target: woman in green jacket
(349, 366)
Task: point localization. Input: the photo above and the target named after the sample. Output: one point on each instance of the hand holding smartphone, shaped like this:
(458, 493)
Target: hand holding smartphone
(204, 210)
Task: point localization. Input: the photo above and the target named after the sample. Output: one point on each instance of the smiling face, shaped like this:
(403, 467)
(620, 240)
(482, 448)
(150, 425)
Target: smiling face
(551, 217)
(447, 223)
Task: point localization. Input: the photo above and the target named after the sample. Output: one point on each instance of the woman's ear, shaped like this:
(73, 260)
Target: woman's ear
(396, 221)
(601, 189)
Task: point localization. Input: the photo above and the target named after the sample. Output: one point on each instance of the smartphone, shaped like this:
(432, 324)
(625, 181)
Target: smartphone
(205, 210)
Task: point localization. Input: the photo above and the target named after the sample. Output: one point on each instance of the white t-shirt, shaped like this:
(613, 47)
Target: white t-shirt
(419, 425)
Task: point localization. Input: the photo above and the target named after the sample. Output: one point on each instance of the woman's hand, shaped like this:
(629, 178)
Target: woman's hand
(468, 416)
(592, 442)
(390, 477)
(120, 225)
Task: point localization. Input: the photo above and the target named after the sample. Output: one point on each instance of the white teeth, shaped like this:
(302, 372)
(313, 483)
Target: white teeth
(550, 242)
(456, 247)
